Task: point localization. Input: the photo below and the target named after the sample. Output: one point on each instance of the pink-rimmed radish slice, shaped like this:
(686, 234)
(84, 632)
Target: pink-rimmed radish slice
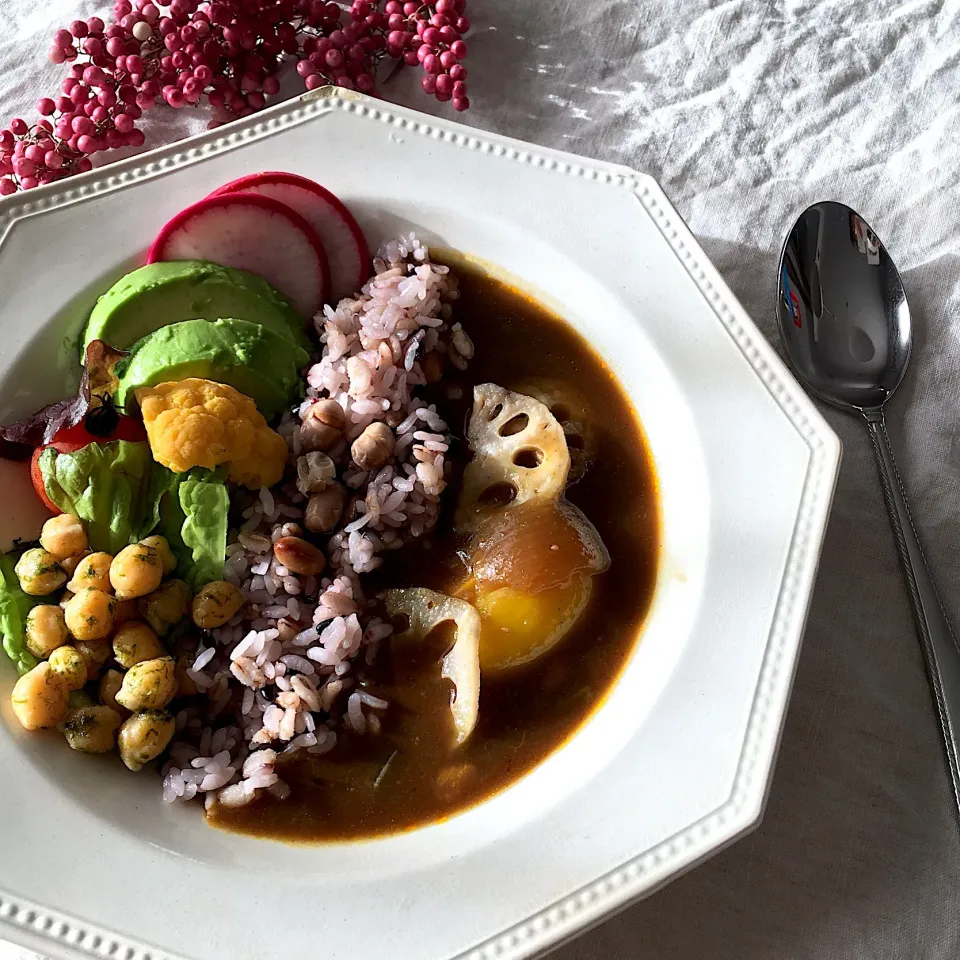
(254, 233)
(339, 232)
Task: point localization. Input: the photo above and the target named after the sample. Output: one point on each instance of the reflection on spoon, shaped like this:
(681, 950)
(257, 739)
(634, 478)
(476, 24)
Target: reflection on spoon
(861, 346)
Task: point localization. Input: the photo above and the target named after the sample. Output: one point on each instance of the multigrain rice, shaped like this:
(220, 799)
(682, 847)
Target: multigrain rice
(279, 677)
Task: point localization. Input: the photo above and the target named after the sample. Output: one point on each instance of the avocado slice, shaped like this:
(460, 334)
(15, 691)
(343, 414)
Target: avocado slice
(163, 293)
(255, 360)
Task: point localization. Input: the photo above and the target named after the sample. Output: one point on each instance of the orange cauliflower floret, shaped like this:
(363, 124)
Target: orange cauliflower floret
(256, 470)
(199, 423)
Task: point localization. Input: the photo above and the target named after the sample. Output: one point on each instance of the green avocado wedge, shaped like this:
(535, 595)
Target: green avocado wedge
(163, 293)
(256, 361)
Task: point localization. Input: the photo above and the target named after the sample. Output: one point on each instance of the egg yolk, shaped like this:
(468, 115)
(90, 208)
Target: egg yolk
(532, 569)
(516, 627)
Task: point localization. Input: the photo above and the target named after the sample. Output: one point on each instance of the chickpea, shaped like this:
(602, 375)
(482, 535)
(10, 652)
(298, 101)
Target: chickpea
(110, 684)
(135, 642)
(144, 736)
(39, 698)
(39, 572)
(374, 447)
(89, 614)
(92, 571)
(166, 606)
(92, 729)
(299, 556)
(322, 425)
(148, 685)
(136, 571)
(68, 662)
(216, 603)
(95, 654)
(167, 558)
(45, 629)
(63, 536)
(325, 508)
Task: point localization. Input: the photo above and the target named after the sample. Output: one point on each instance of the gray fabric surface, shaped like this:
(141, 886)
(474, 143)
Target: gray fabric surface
(746, 111)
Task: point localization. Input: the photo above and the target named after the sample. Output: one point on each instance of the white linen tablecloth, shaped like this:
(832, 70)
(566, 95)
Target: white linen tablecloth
(746, 111)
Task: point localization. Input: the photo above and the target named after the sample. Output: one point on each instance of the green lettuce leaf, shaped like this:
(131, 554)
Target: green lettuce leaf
(106, 485)
(192, 512)
(122, 496)
(14, 607)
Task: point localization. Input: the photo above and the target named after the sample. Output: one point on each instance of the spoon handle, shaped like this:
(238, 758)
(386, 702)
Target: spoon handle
(940, 650)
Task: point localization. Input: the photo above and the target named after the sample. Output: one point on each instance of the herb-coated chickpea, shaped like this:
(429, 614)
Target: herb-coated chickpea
(69, 663)
(45, 629)
(166, 606)
(110, 685)
(92, 571)
(167, 558)
(144, 736)
(39, 698)
(89, 614)
(135, 642)
(215, 603)
(39, 572)
(63, 536)
(148, 685)
(136, 571)
(92, 729)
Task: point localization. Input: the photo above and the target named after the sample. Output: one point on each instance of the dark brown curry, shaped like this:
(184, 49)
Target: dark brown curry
(409, 776)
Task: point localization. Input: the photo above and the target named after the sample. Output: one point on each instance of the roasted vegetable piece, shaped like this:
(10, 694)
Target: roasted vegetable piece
(426, 610)
(519, 455)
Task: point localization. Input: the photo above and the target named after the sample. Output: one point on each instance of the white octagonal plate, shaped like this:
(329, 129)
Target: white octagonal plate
(676, 761)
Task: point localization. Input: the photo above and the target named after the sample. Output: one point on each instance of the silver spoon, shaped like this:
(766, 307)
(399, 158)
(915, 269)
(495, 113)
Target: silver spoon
(845, 324)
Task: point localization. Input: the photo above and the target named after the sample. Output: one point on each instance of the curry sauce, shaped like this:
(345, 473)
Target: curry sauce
(409, 775)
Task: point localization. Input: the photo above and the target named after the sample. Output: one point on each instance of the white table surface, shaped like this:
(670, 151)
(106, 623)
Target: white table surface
(746, 111)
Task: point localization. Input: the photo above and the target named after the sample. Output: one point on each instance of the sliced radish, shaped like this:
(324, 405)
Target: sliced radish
(255, 233)
(339, 232)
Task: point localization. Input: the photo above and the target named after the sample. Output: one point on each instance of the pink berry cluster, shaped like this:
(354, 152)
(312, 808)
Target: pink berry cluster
(429, 36)
(227, 53)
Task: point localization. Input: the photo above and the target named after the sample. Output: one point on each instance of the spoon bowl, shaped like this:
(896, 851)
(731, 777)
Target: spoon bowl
(842, 309)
